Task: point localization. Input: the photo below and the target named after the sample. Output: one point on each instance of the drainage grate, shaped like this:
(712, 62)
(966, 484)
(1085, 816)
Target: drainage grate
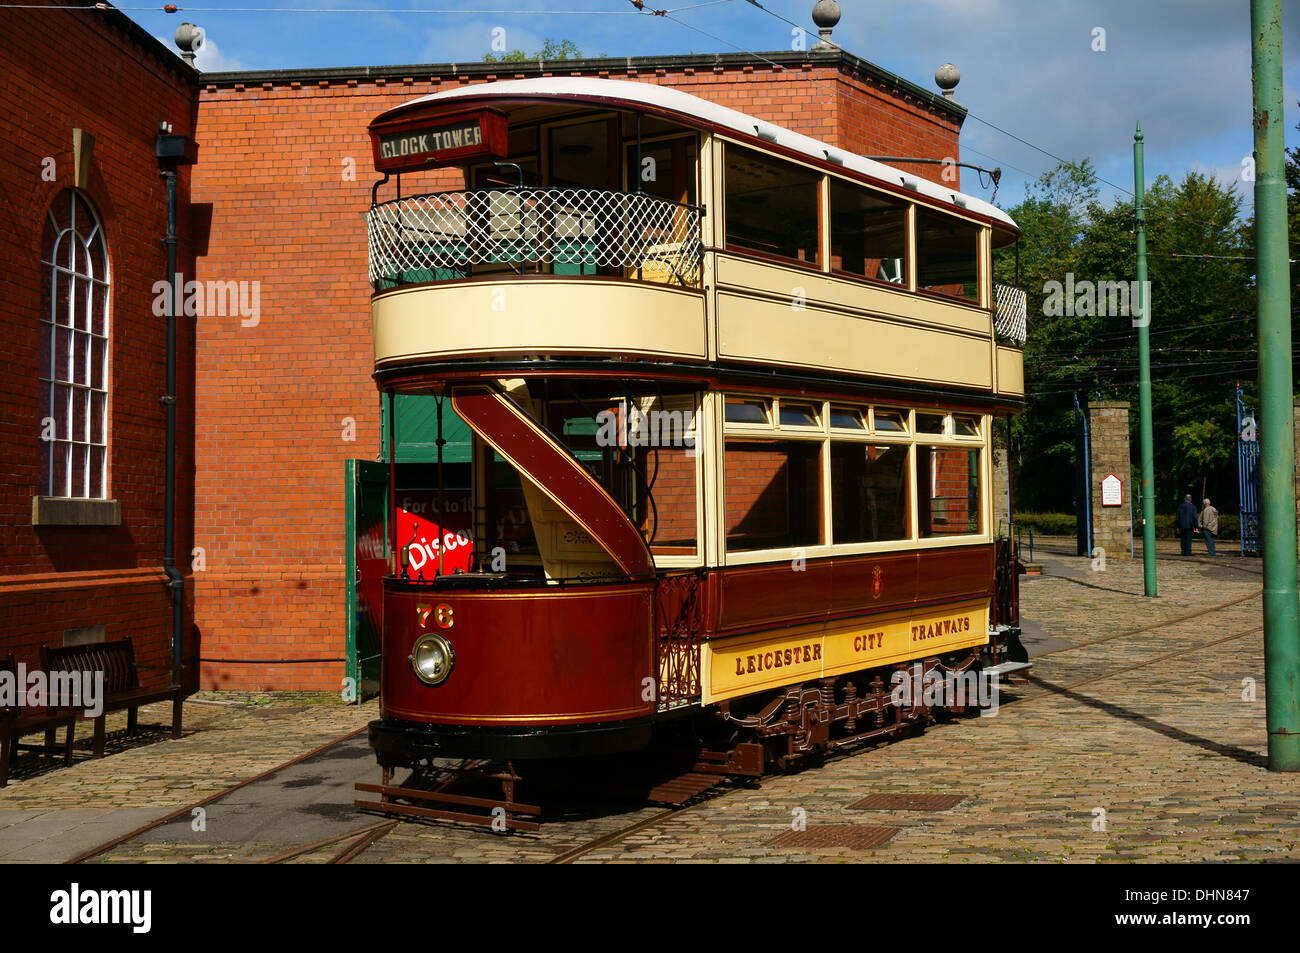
(853, 837)
(907, 802)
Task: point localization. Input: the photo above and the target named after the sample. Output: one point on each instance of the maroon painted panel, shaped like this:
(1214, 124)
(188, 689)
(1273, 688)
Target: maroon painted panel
(552, 656)
(534, 452)
(871, 583)
(775, 593)
(747, 598)
(957, 572)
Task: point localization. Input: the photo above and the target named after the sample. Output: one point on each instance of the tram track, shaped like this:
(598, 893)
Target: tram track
(190, 808)
(1158, 625)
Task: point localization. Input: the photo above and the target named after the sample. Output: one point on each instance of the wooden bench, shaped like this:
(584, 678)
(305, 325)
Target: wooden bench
(16, 722)
(122, 690)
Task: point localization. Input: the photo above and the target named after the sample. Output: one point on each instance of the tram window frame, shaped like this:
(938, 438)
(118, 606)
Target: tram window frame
(769, 421)
(976, 420)
(862, 414)
(905, 419)
(813, 506)
(613, 149)
(905, 487)
(666, 555)
(690, 142)
(886, 203)
(925, 256)
(818, 415)
(924, 502)
(816, 179)
(945, 428)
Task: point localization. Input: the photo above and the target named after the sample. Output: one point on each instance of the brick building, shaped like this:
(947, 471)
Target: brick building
(282, 394)
(82, 218)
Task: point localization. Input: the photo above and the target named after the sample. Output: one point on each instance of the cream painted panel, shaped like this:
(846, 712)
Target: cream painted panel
(551, 316)
(847, 294)
(1011, 371)
(752, 329)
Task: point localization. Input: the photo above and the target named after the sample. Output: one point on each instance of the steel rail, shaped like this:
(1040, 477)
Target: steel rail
(189, 809)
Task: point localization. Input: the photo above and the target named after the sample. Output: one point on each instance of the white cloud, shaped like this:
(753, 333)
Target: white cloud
(210, 59)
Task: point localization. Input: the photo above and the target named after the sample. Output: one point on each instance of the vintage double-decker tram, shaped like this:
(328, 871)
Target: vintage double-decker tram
(730, 396)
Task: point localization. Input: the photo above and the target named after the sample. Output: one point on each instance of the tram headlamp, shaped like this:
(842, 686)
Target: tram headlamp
(432, 658)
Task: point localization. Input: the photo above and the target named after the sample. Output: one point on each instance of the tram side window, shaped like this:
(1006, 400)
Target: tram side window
(670, 434)
(773, 494)
(869, 488)
(948, 497)
(642, 452)
(771, 206)
(868, 233)
(947, 252)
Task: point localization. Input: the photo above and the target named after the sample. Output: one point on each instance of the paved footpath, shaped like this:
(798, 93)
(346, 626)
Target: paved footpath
(1140, 737)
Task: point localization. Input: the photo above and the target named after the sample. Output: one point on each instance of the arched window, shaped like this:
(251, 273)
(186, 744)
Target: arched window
(74, 351)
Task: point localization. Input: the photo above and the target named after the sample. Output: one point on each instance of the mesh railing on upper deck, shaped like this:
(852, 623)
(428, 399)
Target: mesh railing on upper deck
(445, 235)
(1009, 323)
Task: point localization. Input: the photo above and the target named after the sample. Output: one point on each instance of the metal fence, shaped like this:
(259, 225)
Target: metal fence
(1012, 306)
(445, 235)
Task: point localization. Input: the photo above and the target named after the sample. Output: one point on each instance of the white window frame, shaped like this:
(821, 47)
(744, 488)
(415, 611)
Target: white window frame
(78, 254)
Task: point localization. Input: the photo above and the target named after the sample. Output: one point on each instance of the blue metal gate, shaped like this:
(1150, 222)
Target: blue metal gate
(1248, 477)
(1082, 481)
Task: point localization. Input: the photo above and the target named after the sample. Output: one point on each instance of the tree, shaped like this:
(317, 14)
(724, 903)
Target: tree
(1202, 446)
(1202, 338)
(551, 50)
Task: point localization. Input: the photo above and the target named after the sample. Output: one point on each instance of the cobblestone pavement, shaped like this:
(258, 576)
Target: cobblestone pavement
(1132, 741)
(49, 813)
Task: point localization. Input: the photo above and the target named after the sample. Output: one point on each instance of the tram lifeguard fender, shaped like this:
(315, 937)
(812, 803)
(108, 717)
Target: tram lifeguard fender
(549, 465)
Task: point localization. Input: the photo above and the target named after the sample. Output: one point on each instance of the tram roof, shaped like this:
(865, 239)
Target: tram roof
(692, 110)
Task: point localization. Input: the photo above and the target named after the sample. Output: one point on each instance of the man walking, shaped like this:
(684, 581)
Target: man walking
(1185, 519)
(1209, 523)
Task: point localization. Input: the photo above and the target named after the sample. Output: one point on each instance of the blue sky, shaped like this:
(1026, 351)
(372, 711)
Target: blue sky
(1031, 67)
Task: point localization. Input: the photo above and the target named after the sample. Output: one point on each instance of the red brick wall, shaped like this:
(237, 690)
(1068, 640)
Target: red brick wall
(87, 70)
(272, 398)
(675, 498)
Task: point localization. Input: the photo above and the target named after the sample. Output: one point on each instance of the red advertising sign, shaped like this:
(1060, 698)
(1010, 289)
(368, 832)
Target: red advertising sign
(423, 526)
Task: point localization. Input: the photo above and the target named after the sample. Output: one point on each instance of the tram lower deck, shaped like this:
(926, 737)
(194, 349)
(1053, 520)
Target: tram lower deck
(642, 552)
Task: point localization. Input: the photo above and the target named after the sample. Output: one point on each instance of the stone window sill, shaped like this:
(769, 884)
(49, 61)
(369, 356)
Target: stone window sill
(61, 511)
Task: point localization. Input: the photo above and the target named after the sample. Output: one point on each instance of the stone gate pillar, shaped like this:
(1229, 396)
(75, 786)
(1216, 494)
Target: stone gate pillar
(1001, 507)
(1108, 430)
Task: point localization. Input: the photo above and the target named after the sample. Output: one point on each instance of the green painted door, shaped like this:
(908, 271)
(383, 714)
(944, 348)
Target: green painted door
(366, 558)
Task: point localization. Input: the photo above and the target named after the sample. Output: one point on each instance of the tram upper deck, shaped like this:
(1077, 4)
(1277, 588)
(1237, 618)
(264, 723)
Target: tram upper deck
(593, 219)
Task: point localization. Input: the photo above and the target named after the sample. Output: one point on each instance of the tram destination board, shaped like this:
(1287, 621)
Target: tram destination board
(423, 143)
